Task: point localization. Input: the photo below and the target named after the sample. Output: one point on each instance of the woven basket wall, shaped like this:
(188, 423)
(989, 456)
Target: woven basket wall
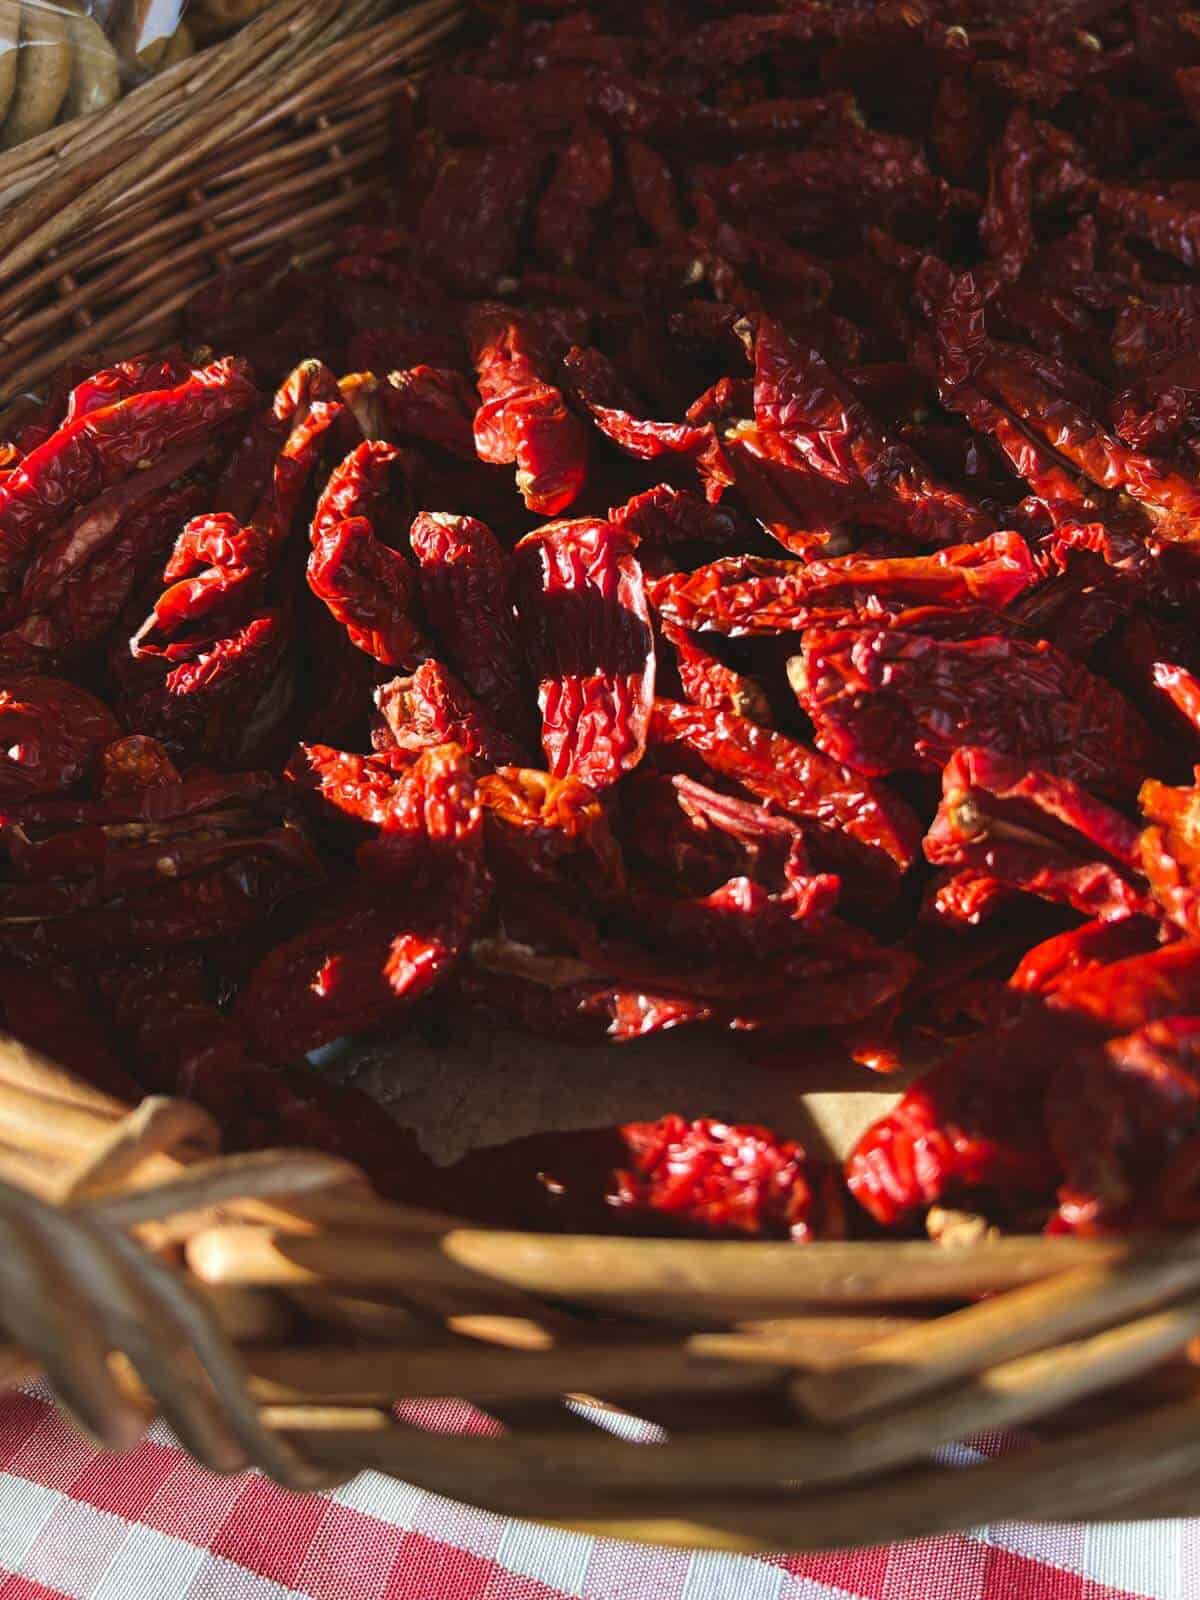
(110, 223)
(274, 1309)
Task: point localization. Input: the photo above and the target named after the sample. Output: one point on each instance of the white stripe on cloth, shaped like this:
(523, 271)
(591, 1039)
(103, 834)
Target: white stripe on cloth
(25, 1509)
(559, 1560)
(1145, 1557)
(712, 1575)
(386, 1498)
(149, 1563)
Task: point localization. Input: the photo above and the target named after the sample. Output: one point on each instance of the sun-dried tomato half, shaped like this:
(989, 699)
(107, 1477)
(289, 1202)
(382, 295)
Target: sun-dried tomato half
(586, 625)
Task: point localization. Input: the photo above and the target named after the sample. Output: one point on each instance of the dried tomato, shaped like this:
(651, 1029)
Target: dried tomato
(1169, 849)
(433, 404)
(548, 830)
(970, 1125)
(53, 1010)
(1048, 965)
(419, 891)
(1029, 830)
(465, 583)
(666, 515)
(369, 589)
(707, 681)
(794, 778)
(433, 707)
(817, 418)
(469, 227)
(51, 734)
(725, 1178)
(1119, 1121)
(101, 448)
(752, 594)
(586, 624)
(582, 184)
(884, 700)
(523, 417)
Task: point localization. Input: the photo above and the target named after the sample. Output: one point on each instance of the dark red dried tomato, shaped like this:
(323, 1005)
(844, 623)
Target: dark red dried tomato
(795, 779)
(51, 734)
(586, 625)
(465, 584)
(542, 830)
(1031, 831)
(100, 448)
(523, 417)
(751, 594)
(884, 700)
(1047, 966)
(972, 1124)
(707, 681)
(433, 707)
(818, 420)
(1121, 1122)
(420, 889)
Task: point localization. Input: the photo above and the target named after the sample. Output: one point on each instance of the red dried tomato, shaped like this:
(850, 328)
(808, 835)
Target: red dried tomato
(725, 1178)
(916, 307)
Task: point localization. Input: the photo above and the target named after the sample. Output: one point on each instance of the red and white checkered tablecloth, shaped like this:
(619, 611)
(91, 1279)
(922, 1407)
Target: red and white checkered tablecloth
(75, 1522)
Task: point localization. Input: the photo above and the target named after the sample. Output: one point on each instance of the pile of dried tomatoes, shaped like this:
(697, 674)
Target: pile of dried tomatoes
(721, 554)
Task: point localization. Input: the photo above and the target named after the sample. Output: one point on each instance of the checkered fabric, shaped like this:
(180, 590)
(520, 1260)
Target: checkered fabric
(153, 1526)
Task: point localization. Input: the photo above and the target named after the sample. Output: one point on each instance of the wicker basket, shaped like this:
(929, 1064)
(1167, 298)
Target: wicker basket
(109, 224)
(273, 1308)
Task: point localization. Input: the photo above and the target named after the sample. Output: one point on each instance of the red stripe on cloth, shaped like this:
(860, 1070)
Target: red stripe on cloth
(269, 1530)
(1011, 1576)
(951, 1568)
(425, 1566)
(858, 1572)
(54, 1454)
(20, 1416)
(17, 1588)
(448, 1416)
(351, 1557)
(1018, 1577)
(323, 1550)
(125, 1484)
(1056, 1544)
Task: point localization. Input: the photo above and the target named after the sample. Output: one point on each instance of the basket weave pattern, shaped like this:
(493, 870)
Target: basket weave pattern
(273, 1309)
(110, 224)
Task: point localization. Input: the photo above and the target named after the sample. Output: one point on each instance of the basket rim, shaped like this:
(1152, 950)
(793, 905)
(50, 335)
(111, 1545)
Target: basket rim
(121, 1187)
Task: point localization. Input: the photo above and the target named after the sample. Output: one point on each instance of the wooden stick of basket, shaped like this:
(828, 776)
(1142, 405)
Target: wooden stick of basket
(802, 1389)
